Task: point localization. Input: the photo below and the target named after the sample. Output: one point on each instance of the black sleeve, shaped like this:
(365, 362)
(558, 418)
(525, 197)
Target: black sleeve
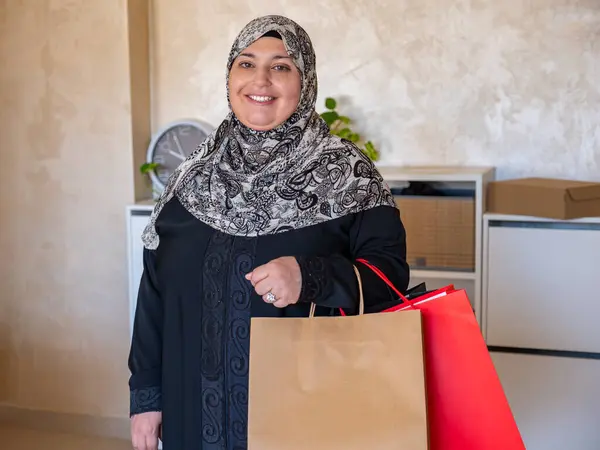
(378, 236)
(145, 356)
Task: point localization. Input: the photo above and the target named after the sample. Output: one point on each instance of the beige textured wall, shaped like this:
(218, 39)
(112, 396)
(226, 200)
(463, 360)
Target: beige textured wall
(515, 84)
(66, 169)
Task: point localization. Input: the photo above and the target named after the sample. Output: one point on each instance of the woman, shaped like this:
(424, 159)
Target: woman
(265, 218)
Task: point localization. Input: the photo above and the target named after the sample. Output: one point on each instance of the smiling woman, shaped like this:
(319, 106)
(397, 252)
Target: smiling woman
(264, 84)
(266, 218)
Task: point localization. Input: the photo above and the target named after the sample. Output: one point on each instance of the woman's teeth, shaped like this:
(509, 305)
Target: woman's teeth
(261, 99)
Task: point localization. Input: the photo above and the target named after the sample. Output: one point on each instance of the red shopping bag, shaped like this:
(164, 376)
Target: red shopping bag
(467, 406)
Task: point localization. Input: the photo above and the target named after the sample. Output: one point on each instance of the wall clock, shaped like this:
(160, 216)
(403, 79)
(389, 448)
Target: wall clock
(171, 145)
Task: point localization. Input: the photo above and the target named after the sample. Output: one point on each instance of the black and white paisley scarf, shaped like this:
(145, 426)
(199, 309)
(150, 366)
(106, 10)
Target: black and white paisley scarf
(249, 183)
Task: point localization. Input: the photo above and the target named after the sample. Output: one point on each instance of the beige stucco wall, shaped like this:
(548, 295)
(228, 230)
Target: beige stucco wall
(66, 171)
(514, 84)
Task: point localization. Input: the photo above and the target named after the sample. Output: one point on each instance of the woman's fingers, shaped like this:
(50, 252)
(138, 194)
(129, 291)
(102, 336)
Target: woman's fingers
(281, 277)
(145, 428)
(258, 274)
(280, 303)
(265, 286)
(145, 441)
(151, 442)
(139, 442)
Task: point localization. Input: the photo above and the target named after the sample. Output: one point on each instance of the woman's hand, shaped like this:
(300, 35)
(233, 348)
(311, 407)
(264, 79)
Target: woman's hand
(280, 277)
(145, 430)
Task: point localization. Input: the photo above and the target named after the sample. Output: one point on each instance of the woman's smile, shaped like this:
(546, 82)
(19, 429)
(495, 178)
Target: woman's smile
(261, 100)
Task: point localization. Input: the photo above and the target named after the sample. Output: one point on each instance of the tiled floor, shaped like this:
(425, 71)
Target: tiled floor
(24, 439)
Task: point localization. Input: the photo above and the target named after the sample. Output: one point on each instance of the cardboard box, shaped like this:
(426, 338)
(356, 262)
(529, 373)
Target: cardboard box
(544, 197)
(440, 231)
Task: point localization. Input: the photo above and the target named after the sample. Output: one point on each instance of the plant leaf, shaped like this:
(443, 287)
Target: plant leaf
(338, 126)
(344, 133)
(148, 167)
(329, 117)
(371, 151)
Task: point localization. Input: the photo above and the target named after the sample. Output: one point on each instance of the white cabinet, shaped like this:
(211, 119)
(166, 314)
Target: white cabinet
(543, 285)
(137, 218)
(555, 400)
(541, 305)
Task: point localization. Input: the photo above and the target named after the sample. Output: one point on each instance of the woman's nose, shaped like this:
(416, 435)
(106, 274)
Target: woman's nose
(262, 77)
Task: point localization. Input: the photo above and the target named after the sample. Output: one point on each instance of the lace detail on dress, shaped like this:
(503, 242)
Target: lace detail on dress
(238, 343)
(225, 319)
(212, 317)
(316, 280)
(145, 400)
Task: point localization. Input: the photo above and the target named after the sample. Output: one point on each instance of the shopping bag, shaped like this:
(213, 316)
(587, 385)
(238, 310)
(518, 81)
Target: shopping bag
(337, 383)
(467, 406)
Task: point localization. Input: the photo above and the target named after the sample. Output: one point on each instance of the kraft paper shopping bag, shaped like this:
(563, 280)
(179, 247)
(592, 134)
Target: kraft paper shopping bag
(337, 383)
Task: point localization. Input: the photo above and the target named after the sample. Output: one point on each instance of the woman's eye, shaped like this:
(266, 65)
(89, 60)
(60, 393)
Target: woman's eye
(245, 65)
(281, 68)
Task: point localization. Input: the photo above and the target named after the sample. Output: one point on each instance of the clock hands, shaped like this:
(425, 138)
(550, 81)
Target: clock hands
(176, 155)
(179, 148)
(166, 147)
(172, 147)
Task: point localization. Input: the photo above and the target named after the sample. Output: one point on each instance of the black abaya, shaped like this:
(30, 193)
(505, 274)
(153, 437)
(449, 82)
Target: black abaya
(189, 354)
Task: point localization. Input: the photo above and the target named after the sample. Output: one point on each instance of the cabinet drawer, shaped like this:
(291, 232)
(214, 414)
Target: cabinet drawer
(555, 401)
(543, 286)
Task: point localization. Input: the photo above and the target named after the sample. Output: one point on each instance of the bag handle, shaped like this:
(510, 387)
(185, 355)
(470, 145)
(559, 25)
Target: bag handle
(381, 275)
(361, 299)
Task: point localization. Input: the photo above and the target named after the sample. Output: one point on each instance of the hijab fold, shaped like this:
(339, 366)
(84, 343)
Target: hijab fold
(245, 182)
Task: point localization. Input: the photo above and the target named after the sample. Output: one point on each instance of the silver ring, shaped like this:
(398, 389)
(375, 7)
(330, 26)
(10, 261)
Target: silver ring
(270, 298)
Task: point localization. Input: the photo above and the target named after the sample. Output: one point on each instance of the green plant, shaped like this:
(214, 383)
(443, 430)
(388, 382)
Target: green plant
(340, 126)
(147, 167)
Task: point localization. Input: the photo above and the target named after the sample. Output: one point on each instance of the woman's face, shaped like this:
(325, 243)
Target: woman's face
(264, 85)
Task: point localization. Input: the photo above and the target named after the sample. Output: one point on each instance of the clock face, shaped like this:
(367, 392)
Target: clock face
(173, 146)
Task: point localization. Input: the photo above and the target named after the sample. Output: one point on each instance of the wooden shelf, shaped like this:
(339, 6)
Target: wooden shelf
(515, 218)
(443, 274)
(435, 173)
(474, 178)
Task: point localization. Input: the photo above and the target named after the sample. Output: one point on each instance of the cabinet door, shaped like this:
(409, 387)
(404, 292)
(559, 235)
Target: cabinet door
(555, 401)
(137, 222)
(543, 287)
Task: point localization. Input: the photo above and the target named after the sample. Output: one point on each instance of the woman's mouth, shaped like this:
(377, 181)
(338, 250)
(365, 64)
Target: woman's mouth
(261, 99)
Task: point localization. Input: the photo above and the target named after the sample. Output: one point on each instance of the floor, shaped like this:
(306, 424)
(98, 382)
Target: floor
(25, 439)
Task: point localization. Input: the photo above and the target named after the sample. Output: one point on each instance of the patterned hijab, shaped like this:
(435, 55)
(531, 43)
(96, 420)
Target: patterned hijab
(249, 183)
